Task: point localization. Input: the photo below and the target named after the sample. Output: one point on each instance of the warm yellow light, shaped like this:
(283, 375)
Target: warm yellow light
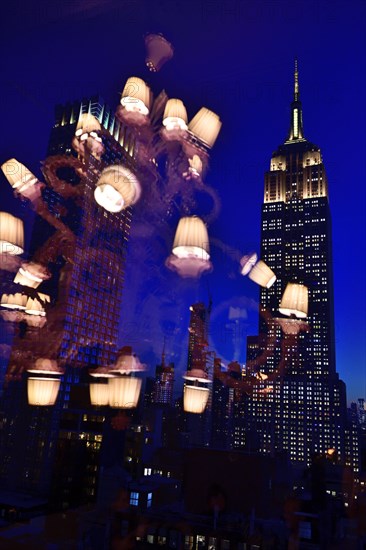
(191, 239)
(205, 125)
(262, 274)
(42, 391)
(124, 392)
(294, 301)
(14, 301)
(87, 124)
(18, 175)
(99, 394)
(35, 306)
(11, 234)
(195, 399)
(117, 188)
(136, 96)
(175, 115)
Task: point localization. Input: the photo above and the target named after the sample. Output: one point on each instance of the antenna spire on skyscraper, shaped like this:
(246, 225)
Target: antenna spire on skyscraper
(296, 129)
(296, 87)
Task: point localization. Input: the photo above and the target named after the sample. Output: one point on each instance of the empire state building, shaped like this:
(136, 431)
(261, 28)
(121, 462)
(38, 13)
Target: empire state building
(299, 404)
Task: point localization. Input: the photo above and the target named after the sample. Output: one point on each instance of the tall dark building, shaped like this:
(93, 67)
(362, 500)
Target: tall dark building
(86, 257)
(300, 405)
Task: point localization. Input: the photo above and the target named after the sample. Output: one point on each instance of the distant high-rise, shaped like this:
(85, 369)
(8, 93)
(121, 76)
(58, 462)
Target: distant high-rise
(164, 382)
(87, 261)
(300, 407)
(198, 426)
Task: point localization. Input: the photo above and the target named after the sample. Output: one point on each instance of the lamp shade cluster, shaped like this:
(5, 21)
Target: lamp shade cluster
(117, 188)
(122, 388)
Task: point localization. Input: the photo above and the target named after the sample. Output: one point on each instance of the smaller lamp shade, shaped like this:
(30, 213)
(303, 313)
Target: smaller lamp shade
(117, 188)
(248, 262)
(191, 239)
(14, 301)
(136, 96)
(205, 125)
(43, 365)
(42, 391)
(124, 392)
(18, 175)
(127, 362)
(25, 281)
(87, 123)
(99, 394)
(158, 51)
(262, 274)
(294, 301)
(34, 272)
(195, 399)
(11, 234)
(175, 115)
(35, 306)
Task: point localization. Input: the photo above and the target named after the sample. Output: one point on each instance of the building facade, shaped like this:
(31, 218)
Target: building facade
(84, 248)
(299, 405)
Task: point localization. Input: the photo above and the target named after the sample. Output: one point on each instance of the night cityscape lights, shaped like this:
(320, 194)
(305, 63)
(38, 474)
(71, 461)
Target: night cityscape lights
(227, 460)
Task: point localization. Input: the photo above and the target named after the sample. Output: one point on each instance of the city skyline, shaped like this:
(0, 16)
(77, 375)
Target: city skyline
(269, 97)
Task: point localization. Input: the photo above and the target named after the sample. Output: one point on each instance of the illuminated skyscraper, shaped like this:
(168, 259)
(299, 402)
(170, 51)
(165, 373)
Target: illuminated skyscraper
(86, 258)
(301, 406)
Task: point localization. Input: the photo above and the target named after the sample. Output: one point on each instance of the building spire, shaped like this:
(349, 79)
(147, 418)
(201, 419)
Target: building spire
(296, 128)
(296, 83)
(163, 355)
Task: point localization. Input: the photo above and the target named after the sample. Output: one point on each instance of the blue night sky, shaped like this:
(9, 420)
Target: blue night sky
(236, 58)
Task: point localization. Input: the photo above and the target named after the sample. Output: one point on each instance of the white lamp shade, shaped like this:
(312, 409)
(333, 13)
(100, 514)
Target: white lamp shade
(43, 365)
(87, 123)
(14, 301)
(99, 394)
(262, 274)
(25, 281)
(117, 188)
(175, 115)
(34, 306)
(35, 272)
(294, 301)
(42, 391)
(191, 239)
(124, 392)
(158, 51)
(205, 125)
(18, 175)
(11, 234)
(136, 96)
(195, 399)
(248, 262)
(127, 363)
